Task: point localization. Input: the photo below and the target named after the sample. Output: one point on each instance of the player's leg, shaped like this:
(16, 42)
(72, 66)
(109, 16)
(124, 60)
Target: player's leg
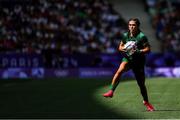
(123, 67)
(140, 77)
(116, 78)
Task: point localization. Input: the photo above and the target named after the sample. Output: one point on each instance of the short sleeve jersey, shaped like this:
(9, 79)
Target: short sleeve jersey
(141, 41)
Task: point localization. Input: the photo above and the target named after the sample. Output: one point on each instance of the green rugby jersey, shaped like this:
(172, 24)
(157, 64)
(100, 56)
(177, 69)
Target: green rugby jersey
(141, 41)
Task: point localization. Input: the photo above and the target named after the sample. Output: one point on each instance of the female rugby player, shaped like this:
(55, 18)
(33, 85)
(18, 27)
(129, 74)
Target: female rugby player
(136, 61)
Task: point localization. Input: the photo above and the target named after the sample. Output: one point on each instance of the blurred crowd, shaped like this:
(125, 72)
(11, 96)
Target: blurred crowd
(165, 18)
(71, 26)
(80, 26)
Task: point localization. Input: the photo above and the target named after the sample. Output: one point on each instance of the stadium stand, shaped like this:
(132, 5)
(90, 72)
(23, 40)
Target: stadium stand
(77, 38)
(70, 26)
(66, 32)
(165, 20)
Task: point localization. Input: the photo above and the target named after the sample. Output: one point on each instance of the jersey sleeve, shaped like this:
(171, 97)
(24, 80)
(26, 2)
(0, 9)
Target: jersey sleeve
(144, 41)
(124, 37)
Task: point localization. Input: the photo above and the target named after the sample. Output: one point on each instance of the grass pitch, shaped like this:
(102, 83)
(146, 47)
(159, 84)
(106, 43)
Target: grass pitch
(82, 98)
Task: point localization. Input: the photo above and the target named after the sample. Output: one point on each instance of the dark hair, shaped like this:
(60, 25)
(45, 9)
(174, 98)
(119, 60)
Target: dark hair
(136, 20)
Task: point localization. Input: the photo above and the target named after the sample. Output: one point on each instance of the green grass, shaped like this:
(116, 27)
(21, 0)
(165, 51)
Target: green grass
(82, 98)
(163, 94)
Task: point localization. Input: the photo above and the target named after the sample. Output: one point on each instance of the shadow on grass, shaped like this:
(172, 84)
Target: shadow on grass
(53, 98)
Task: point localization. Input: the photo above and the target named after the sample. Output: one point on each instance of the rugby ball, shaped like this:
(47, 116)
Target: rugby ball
(130, 45)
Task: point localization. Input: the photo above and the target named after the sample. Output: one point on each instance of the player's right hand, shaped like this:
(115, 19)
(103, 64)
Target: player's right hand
(122, 50)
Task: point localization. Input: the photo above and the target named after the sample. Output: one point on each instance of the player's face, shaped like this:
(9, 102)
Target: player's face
(132, 26)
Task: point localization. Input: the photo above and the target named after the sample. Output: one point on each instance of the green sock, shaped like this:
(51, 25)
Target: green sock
(111, 87)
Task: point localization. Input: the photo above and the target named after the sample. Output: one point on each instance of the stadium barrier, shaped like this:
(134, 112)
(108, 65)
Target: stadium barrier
(82, 72)
(15, 65)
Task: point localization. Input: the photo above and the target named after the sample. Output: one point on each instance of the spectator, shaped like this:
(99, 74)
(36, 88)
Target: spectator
(165, 19)
(66, 25)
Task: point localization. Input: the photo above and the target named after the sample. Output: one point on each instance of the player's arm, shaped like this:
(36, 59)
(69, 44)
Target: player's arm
(146, 46)
(146, 49)
(121, 47)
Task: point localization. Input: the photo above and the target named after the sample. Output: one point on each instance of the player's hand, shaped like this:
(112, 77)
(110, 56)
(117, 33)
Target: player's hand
(132, 51)
(123, 50)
